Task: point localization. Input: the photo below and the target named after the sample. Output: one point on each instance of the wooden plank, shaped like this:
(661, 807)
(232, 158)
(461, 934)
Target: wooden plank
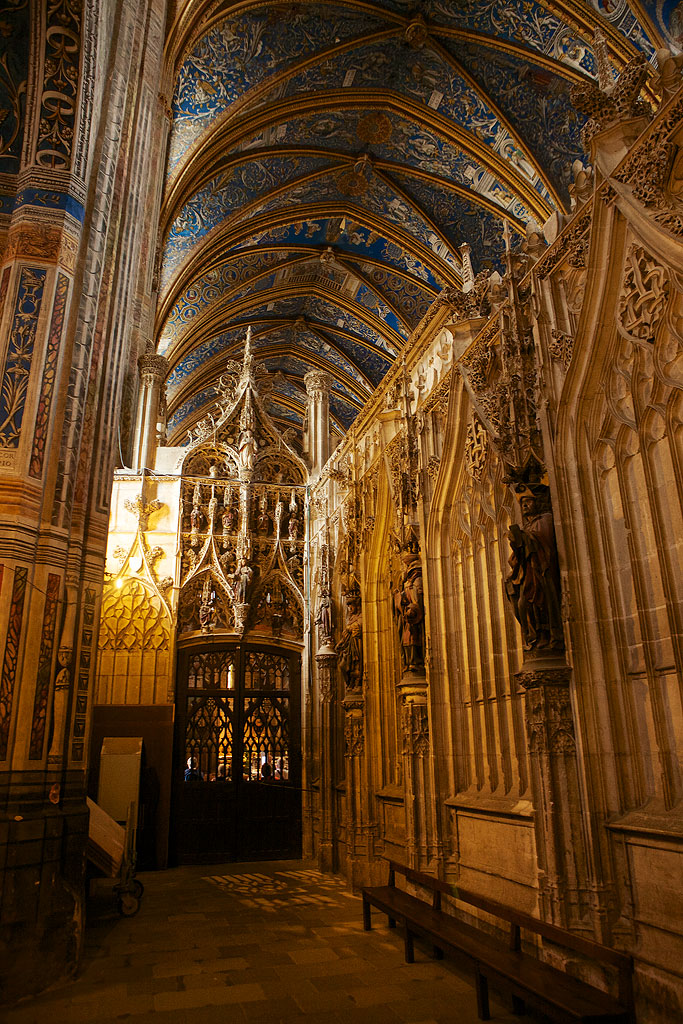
(106, 841)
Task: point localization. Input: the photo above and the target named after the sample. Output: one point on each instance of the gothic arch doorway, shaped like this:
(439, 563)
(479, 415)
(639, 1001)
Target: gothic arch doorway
(237, 763)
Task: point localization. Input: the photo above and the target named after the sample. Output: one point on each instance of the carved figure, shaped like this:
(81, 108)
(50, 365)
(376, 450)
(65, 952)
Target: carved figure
(533, 584)
(293, 528)
(62, 684)
(242, 577)
(207, 611)
(349, 647)
(247, 449)
(229, 520)
(263, 522)
(323, 619)
(409, 609)
(196, 518)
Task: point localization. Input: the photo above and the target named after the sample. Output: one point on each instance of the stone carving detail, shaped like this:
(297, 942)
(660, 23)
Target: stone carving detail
(549, 718)
(153, 369)
(471, 304)
(354, 730)
(645, 289)
(610, 101)
(350, 644)
(323, 614)
(415, 725)
(408, 602)
(242, 515)
(133, 618)
(476, 448)
(142, 510)
(533, 583)
(561, 347)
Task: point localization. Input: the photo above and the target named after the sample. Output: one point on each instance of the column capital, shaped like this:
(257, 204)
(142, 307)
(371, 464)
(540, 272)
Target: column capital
(153, 368)
(318, 383)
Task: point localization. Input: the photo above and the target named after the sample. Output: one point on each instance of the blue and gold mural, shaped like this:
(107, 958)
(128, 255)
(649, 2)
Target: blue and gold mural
(327, 161)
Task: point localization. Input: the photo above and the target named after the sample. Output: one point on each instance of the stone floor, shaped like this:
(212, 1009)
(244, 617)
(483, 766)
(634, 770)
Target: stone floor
(251, 944)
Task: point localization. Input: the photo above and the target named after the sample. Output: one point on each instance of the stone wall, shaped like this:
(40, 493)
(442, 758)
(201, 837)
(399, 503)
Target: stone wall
(502, 531)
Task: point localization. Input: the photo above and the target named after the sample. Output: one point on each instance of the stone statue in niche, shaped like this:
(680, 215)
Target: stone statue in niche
(207, 610)
(242, 577)
(323, 618)
(533, 583)
(229, 517)
(196, 518)
(409, 610)
(263, 522)
(248, 449)
(62, 684)
(349, 647)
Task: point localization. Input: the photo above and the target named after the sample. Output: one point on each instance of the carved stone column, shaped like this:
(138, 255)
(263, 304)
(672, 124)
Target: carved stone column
(557, 796)
(414, 711)
(326, 660)
(153, 373)
(318, 384)
(354, 754)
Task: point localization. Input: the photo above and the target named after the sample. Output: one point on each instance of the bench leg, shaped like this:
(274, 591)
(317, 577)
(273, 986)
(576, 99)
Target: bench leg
(392, 922)
(518, 1006)
(367, 923)
(408, 944)
(437, 953)
(482, 997)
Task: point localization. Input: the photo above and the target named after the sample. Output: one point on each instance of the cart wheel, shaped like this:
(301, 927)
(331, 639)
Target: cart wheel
(128, 904)
(138, 887)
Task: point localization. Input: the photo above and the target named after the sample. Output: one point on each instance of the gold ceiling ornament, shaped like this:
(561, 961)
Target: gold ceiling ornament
(374, 127)
(355, 181)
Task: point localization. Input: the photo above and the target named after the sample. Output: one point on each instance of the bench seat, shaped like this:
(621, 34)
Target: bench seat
(561, 996)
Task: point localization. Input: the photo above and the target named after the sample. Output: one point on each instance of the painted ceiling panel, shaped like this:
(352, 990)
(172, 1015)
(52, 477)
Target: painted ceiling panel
(328, 160)
(348, 236)
(230, 191)
(627, 22)
(243, 51)
(463, 222)
(210, 287)
(532, 25)
(377, 197)
(422, 74)
(535, 101)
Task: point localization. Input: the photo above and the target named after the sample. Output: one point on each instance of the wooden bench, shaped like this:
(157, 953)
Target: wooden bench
(528, 979)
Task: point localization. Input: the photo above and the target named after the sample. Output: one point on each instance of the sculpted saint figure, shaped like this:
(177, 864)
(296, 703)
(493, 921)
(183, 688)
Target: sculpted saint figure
(350, 645)
(229, 520)
(247, 449)
(196, 517)
(533, 583)
(242, 576)
(263, 522)
(409, 609)
(207, 612)
(323, 618)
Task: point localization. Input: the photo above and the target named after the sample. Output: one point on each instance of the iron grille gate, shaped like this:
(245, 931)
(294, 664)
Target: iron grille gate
(237, 780)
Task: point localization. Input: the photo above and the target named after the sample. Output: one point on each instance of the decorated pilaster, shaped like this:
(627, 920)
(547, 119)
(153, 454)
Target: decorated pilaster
(66, 309)
(326, 663)
(318, 384)
(153, 373)
(501, 375)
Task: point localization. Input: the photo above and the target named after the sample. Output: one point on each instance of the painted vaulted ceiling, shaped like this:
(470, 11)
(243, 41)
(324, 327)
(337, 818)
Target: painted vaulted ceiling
(327, 161)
